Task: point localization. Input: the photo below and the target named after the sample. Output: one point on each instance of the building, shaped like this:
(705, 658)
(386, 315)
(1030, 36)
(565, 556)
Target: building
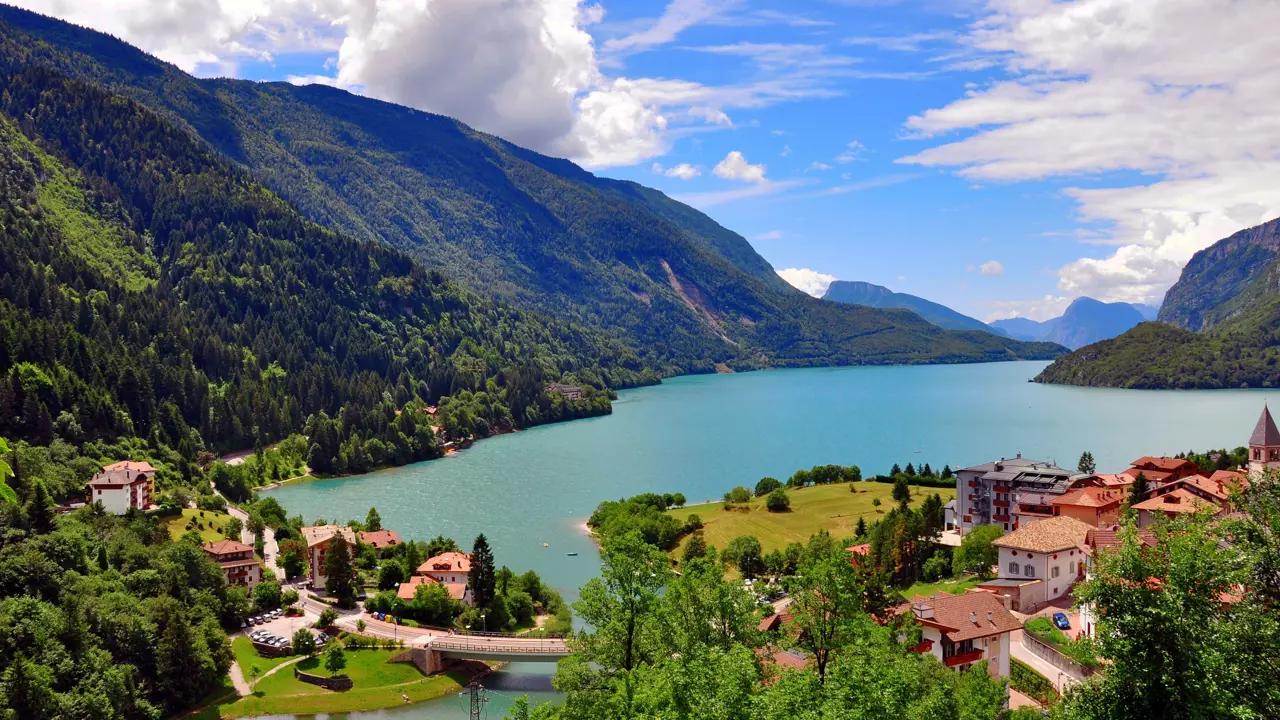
(1264, 443)
(1095, 506)
(451, 569)
(319, 540)
(1040, 562)
(239, 566)
(961, 630)
(380, 539)
(856, 552)
(407, 590)
(1172, 503)
(569, 392)
(1097, 541)
(123, 485)
(1160, 470)
(1117, 481)
(1008, 493)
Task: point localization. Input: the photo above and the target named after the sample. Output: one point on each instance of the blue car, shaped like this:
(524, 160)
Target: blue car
(1060, 620)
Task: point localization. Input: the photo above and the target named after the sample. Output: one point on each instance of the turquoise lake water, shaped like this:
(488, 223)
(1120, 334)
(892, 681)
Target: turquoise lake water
(701, 435)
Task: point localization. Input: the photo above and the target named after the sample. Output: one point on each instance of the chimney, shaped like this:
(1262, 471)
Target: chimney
(1019, 456)
(923, 610)
(991, 617)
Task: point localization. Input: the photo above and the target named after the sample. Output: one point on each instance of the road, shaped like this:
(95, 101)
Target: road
(1061, 679)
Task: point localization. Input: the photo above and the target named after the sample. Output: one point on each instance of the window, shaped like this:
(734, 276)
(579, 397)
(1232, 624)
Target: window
(1054, 571)
(1031, 571)
(1013, 568)
(1072, 567)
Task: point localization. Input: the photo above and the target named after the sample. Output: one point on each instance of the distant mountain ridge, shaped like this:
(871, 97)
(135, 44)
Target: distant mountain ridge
(1085, 321)
(683, 293)
(856, 292)
(1229, 295)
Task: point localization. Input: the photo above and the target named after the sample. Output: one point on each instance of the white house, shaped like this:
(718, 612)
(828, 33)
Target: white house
(451, 569)
(1040, 562)
(319, 539)
(123, 485)
(961, 630)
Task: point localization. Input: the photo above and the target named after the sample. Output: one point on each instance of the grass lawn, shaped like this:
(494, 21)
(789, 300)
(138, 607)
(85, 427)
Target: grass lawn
(213, 523)
(820, 507)
(378, 684)
(223, 694)
(247, 657)
(955, 587)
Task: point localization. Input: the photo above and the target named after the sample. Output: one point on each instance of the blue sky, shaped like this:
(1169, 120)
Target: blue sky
(1001, 157)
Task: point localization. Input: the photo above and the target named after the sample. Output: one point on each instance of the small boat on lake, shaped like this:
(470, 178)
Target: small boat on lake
(572, 554)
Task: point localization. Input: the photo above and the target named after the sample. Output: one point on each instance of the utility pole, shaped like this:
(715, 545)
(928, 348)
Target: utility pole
(477, 699)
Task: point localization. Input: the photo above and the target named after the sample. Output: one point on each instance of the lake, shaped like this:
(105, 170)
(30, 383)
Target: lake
(701, 435)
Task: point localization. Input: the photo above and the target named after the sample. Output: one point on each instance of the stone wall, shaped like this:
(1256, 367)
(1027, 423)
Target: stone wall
(427, 661)
(337, 682)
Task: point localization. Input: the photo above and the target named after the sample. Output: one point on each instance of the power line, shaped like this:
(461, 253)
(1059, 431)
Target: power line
(478, 700)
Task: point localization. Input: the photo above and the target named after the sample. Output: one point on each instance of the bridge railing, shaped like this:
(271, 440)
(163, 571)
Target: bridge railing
(557, 648)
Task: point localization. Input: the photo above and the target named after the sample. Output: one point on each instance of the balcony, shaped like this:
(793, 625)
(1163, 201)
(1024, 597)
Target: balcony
(923, 646)
(1000, 488)
(1000, 518)
(968, 518)
(974, 483)
(963, 658)
(1000, 503)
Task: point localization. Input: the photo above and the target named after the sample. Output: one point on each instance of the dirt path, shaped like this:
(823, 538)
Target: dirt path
(237, 679)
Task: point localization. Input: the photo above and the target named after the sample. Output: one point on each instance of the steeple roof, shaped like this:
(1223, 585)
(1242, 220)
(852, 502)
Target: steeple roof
(1265, 432)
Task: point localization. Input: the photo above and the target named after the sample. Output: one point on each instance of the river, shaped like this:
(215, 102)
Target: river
(701, 435)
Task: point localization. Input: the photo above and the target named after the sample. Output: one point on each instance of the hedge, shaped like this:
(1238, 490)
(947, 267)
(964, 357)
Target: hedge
(917, 480)
(1025, 679)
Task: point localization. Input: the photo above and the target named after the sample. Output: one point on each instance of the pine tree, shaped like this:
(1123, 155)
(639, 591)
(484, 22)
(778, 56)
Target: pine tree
(1086, 464)
(901, 493)
(373, 521)
(339, 574)
(103, 563)
(910, 469)
(927, 471)
(895, 470)
(1139, 490)
(947, 473)
(482, 572)
(40, 508)
(861, 530)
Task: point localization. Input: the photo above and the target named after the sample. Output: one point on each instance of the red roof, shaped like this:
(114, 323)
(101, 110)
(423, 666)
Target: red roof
(380, 538)
(862, 549)
(971, 615)
(140, 466)
(446, 562)
(1162, 463)
(1107, 538)
(226, 547)
(1093, 497)
(407, 589)
(1178, 500)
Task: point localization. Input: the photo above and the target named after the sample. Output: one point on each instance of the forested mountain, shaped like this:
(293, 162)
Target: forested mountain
(878, 296)
(1226, 280)
(150, 289)
(1230, 293)
(507, 222)
(1085, 321)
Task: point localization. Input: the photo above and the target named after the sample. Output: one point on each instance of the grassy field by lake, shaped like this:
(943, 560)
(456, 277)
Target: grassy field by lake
(821, 507)
(214, 523)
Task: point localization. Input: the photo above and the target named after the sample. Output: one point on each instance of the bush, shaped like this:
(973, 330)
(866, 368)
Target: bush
(778, 501)
(303, 642)
(936, 568)
(738, 495)
(693, 524)
(1025, 679)
(327, 618)
(766, 486)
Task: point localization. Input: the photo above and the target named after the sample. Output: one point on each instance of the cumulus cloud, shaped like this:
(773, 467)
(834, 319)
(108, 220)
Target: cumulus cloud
(810, 281)
(992, 268)
(851, 153)
(1185, 92)
(819, 166)
(683, 171)
(526, 70)
(734, 166)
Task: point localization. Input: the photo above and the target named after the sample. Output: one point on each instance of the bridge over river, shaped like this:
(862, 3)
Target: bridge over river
(441, 643)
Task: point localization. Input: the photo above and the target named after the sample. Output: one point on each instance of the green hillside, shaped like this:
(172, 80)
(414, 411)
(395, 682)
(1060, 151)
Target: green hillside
(150, 289)
(539, 232)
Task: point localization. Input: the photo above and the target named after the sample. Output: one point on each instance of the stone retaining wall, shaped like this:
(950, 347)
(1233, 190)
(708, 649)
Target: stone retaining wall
(337, 682)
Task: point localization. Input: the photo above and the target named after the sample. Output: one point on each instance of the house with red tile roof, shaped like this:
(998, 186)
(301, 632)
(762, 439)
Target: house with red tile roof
(240, 568)
(320, 539)
(1173, 503)
(964, 630)
(380, 539)
(1099, 541)
(123, 486)
(1095, 506)
(1040, 562)
(451, 569)
(857, 551)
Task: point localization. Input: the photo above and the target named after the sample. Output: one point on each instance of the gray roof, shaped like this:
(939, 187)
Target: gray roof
(1027, 474)
(1265, 432)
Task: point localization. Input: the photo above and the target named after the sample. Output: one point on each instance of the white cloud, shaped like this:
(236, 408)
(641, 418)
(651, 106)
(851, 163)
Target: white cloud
(819, 166)
(678, 16)
(992, 268)
(684, 171)
(810, 281)
(851, 153)
(705, 200)
(656, 167)
(914, 42)
(1045, 308)
(734, 166)
(1185, 92)
(786, 151)
(771, 235)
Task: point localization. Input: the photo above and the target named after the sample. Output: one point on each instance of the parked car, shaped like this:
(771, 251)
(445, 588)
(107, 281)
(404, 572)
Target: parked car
(1061, 621)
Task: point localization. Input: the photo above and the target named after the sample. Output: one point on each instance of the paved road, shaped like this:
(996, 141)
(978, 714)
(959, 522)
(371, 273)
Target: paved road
(457, 642)
(1061, 679)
